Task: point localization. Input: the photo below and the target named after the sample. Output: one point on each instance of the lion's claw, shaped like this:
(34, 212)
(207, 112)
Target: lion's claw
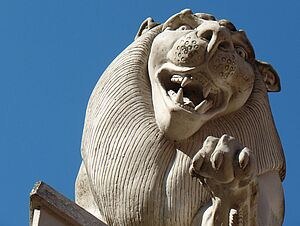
(217, 160)
(228, 171)
(223, 161)
(244, 157)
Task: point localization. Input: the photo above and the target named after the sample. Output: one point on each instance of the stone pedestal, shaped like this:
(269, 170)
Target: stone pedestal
(50, 208)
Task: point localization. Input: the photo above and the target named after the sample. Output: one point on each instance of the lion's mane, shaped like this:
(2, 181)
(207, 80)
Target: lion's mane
(138, 176)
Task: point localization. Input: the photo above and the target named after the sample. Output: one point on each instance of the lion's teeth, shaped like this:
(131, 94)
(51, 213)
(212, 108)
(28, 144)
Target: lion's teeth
(199, 106)
(185, 81)
(188, 102)
(172, 95)
(176, 79)
(204, 106)
(187, 107)
(176, 76)
(171, 92)
(179, 96)
(206, 91)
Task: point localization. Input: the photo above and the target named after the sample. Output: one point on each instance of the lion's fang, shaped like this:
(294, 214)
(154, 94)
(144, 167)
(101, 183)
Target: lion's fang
(179, 96)
(206, 91)
(204, 106)
(185, 81)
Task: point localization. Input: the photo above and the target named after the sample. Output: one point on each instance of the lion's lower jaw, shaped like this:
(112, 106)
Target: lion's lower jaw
(175, 123)
(175, 129)
(178, 125)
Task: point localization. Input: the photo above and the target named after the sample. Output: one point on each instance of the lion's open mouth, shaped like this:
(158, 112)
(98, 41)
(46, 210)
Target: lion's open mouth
(193, 93)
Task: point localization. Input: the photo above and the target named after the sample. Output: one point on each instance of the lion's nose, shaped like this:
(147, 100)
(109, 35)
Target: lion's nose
(217, 36)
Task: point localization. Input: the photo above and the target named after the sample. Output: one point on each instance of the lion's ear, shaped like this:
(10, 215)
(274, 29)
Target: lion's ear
(270, 76)
(146, 26)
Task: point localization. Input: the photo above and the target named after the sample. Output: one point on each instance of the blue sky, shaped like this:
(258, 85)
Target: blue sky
(53, 52)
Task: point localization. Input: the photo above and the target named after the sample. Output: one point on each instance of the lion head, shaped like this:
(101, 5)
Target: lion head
(199, 68)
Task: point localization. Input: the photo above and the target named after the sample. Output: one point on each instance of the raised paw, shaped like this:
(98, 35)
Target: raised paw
(223, 161)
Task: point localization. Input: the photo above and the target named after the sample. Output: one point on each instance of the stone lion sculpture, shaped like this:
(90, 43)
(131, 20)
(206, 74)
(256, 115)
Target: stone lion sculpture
(179, 131)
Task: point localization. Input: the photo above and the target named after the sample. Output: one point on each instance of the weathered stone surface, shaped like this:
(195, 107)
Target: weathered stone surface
(162, 109)
(49, 208)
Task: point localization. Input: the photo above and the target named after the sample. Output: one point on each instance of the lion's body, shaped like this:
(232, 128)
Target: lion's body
(135, 171)
(138, 176)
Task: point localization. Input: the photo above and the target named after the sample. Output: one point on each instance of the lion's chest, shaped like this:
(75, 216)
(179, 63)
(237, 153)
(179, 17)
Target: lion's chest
(155, 188)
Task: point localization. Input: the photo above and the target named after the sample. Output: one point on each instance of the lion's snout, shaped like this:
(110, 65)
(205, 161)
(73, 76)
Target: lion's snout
(188, 50)
(198, 46)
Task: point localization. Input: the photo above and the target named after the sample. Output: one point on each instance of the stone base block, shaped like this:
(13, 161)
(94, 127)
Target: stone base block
(50, 208)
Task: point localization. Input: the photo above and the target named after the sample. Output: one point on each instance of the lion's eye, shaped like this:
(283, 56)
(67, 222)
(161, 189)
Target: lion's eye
(184, 27)
(241, 52)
